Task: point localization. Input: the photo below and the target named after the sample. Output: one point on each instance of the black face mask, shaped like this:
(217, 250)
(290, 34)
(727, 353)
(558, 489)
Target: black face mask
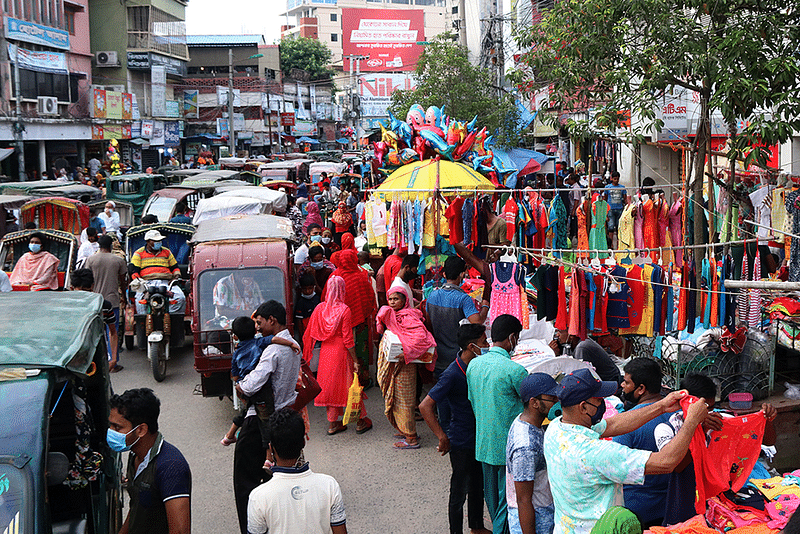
(409, 277)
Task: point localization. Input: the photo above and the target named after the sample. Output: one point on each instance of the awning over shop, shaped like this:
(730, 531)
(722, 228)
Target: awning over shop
(5, 152)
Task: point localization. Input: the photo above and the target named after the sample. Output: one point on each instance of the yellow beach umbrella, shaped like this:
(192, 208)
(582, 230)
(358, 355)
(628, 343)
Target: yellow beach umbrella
(421, 178)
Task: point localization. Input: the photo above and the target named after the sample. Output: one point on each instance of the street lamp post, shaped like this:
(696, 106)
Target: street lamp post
(231, 132)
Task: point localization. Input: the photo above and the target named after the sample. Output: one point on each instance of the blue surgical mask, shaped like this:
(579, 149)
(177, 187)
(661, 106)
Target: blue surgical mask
(315, 238)
(309, 297)
(157, 245)
(118, 441)
(481, 350)
(555, 411)
(35, 247)
(318, 264)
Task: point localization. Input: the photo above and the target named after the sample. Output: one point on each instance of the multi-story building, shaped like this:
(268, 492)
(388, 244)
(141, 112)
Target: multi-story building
(375, 45)
(50, 119)
(139, 47)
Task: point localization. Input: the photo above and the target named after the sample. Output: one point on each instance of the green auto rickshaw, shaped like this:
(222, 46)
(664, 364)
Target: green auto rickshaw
(134, 188)
(57, 472)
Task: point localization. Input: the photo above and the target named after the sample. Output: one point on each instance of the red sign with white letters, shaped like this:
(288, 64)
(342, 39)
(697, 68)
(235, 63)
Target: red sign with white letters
(386, 37)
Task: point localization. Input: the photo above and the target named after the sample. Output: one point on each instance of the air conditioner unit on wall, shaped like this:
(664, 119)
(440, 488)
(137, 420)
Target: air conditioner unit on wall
(115, 88)
(47, 105)
(106, 59)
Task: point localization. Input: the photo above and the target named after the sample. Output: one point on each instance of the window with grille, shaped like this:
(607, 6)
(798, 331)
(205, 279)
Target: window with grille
(150, 28)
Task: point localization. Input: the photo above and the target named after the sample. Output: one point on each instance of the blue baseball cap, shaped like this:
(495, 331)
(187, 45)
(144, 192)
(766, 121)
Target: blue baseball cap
(536, 384)
(581, 385)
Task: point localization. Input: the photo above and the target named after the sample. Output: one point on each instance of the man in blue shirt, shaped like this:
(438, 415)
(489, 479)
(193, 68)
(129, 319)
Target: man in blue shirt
(642, 387)
(180, 214)
(493, 384)
(96, 222)
(459, 440)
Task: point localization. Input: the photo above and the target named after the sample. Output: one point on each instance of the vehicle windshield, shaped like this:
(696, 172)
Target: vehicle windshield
(125, 186)
(232, 293)
(13, 500)
(161, 207)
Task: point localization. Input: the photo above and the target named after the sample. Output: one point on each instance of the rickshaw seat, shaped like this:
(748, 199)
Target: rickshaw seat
(73, 526)
(61, 277)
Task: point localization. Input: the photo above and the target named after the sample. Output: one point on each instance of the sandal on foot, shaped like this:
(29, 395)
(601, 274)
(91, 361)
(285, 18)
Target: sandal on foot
(226, 441)
(336, 430)
(403, 444)
(364, 425)
(116, 369)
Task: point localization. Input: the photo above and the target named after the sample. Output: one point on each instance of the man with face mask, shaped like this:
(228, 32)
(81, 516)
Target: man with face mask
(641, 387)
(110, 218)
(493, 384)
(530, 503)
(459, 438)
(407, 274)
(588, 472)
(159, 478)
(316, 265)
(155, 262)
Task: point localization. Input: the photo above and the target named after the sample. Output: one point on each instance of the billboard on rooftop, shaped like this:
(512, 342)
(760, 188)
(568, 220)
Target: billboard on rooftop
(387, 37)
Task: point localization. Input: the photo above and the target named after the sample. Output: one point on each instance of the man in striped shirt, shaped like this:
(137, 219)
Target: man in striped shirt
(155, 262)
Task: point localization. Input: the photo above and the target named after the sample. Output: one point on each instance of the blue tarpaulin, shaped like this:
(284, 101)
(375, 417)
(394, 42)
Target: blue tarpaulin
(305, 139)
(343, 141)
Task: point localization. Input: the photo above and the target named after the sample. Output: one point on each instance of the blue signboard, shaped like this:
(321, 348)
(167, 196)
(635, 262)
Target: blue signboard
(172, 134)
(30, 32)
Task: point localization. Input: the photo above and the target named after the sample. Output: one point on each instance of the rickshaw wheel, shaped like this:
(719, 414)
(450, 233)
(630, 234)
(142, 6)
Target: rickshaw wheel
(158, 353)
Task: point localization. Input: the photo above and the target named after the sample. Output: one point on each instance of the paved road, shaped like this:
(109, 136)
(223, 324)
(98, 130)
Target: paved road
(385, 490)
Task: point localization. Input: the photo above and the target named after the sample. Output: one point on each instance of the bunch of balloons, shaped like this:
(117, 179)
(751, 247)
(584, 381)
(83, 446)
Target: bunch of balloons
(113, 156)
(426, 134)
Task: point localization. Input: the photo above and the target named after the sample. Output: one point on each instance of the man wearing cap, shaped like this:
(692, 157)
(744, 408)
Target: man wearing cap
(588, 472)
(155, 262)
(530, 503)
(493, 383)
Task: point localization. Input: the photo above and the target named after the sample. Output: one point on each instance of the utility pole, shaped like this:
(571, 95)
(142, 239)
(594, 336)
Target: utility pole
(351, 89)
(462, 22)
(18, 126)
(231, 133)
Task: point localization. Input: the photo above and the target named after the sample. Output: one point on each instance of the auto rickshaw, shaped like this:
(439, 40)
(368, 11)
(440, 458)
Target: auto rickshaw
(25, 188)
(177, 238)
(162, 203)
(10, 204)
(75, 191)
(252, 250)
(135, 189)
(62, 245)
(56, 213)
(57, 473)
(176, 176)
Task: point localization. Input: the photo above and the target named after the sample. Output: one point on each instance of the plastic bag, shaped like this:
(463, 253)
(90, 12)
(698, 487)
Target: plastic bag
(353, 408)
(792, 391)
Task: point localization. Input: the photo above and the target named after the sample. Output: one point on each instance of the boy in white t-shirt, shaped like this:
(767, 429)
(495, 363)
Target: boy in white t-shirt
(296, 500)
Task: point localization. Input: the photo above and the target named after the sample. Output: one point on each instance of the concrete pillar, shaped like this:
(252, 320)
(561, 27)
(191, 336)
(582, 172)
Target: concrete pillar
(42, 157)
(82, 153)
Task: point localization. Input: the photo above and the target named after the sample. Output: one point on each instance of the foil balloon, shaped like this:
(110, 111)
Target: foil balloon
(437, 143)
(479, 142)
(433, 117)
(407, 155)
(472, 123)
(389, 137)
(380, 151)
(401, 128)
(465, 145)
(415, 115)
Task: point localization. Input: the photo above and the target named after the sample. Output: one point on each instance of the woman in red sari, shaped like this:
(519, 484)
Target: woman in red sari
(360, 298)
(331, 325)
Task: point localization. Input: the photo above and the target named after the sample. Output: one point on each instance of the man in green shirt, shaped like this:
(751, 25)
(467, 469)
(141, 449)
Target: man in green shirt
(493, 382)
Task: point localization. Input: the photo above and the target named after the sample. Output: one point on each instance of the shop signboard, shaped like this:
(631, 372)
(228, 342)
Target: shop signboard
(222, 128)
(30, 32)
(135, 115)
(193, 148)
(138, 60)
(259, 139)
(222, 96)
(127, 106)
(147, 129)
(113, 105)
(136, 129)
(172, 134)
(287, 119)
(376, 92)
(173, 109)
(387, 37)
(39, 61)
(97, 132)
(190, 103)
(302, 127)
(158, 88)
(158, 133)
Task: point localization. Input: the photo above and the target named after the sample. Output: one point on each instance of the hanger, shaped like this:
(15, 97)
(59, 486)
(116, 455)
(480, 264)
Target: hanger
(611, 261)
(508, 255)
(660, 257)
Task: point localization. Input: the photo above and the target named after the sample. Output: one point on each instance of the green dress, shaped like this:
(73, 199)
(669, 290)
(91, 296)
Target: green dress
(597, 234)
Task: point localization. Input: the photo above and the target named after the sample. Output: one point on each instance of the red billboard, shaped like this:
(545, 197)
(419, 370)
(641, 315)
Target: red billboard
(387, 37)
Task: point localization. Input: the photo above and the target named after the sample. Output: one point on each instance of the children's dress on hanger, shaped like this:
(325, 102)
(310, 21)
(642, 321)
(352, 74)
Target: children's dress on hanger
(506, 295)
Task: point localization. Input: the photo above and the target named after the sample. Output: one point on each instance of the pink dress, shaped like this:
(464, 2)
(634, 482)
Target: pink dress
(505, 290)
(638, 227)
(675, 230)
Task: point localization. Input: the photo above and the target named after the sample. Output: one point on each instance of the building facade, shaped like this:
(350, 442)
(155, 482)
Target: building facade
(47, 44)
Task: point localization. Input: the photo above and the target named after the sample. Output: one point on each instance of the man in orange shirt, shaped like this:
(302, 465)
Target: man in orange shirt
(155, 262)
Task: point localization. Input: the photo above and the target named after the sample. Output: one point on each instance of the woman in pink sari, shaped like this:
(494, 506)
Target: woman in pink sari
(398, 380)
(331, 325)
(313, 216)
(37, 269)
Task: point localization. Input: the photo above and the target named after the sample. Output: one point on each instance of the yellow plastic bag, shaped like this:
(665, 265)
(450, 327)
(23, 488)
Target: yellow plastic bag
(353, 408)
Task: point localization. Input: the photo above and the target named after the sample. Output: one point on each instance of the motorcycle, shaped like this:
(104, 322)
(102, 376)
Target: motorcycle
(158, 326)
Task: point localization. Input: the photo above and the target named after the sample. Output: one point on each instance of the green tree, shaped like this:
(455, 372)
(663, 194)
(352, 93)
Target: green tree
(738, 56)
(444, 76)
(304, 54)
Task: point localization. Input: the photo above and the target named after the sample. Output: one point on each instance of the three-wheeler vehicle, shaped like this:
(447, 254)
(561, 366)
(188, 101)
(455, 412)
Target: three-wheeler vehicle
(248, 255)
(62, 245)
(56, 213)
(57, 473)
(134, 189)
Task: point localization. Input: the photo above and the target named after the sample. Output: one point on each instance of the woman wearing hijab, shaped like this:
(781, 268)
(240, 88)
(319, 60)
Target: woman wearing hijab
(398, 380)
(360, 298)
(312, 217)
(331, 325)
(342, 221)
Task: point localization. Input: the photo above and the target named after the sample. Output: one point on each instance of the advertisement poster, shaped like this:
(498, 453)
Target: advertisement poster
(127, 106)
(172, 134)
(147, 129)
(387, 36)
(376, 91)
(98, 103)
(158, 133)
(190, 103)
(287, 119)
(301, 128)
(39, 61)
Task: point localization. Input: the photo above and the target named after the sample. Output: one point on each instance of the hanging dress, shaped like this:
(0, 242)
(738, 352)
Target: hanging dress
(583, 236)
(597, 236)
(638, 230)
(506, 296)
(662, 215)
(650, 227)
(625, 240)
(676, 230)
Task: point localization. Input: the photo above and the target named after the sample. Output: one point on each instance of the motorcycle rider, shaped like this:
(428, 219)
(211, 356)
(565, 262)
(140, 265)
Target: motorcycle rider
(155, 262)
